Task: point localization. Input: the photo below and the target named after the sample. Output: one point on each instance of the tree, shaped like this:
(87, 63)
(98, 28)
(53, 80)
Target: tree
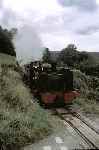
(10, 33)
(6, 44)
(69, 55)
(46, 55)
(83, 56)
(71, 47)
(72, 57)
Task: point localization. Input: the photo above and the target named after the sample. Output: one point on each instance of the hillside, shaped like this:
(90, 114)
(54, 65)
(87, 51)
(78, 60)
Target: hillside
(55, 55)
(7, 59)
(21, 121)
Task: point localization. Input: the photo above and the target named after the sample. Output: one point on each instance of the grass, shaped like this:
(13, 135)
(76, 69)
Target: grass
(88, 102)
(22, 120)
(86, 106)
(7, 59)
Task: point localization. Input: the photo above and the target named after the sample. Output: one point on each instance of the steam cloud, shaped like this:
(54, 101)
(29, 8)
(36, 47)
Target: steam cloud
(28, 44)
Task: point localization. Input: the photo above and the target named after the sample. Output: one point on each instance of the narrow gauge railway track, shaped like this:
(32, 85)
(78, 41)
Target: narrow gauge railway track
(84, 130)
(77, 115)
(84, 121)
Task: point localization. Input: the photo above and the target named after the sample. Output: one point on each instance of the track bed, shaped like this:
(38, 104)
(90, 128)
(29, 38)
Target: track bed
(73, 120)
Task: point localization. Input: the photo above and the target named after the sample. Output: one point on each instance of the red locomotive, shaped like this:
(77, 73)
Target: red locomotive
(51, 85)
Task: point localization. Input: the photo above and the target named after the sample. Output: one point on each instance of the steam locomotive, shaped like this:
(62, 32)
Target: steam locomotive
(51, 85)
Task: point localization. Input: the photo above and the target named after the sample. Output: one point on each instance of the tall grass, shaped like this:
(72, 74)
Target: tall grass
(7, 59)
(88, 101)
(22, 121)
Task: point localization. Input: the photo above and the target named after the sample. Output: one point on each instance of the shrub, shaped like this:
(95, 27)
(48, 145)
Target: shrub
(6, 45)
(80, 81)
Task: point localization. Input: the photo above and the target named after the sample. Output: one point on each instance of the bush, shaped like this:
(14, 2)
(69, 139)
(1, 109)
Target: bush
(86, 105)
(80, 81)
(88, 102)
(93, 95)
(6, 45)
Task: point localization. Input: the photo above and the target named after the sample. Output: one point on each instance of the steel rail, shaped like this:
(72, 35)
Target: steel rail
(88, 141)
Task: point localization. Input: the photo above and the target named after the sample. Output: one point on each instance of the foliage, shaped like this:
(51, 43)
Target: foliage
(21, 120)
(7, 59)
(93, 95)
(85, 105)
(46, 56)
(88, 102)
(72, 57)
(80, 81)
(6, 45)
(68, 55)
(90, 69)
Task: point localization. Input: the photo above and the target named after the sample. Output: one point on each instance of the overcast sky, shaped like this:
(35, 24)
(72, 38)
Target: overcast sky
(52, 23)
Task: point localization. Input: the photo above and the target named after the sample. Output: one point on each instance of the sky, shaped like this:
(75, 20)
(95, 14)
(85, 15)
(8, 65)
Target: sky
(51, 23)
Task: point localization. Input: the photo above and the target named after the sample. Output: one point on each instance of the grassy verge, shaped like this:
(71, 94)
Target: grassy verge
(86, 106)
(88, 102)
(7, 59)
(22, 121)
